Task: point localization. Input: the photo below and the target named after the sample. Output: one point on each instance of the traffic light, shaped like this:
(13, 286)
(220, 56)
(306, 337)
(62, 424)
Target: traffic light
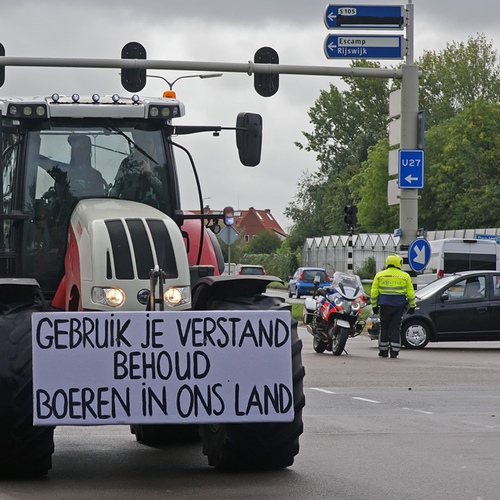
(133, 80)
(350, 217)
(266, 84)
(228, 216)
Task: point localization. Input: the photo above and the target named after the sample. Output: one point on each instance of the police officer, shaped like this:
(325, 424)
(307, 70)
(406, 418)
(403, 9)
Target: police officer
(391, 289)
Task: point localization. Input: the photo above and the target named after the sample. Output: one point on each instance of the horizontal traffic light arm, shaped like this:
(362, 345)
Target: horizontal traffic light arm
(249, 67)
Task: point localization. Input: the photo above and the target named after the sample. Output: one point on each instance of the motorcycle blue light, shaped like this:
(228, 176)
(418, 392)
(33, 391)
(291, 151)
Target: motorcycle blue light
(135, 98)
(55, 97)
(75, 97)
(115, 97)
(96, 98)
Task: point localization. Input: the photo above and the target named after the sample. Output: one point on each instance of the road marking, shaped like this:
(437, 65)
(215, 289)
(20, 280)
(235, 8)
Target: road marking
(322, 390)
(468, 422)
(419, 411)
(367, 400)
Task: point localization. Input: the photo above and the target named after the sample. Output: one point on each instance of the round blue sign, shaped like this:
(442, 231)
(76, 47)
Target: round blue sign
(419, 253)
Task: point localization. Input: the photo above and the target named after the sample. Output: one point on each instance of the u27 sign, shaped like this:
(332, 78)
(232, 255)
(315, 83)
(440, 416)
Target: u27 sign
(162, 367)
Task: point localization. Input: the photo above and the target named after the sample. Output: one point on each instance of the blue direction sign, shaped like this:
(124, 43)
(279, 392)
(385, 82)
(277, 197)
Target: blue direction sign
(365, 17)
(419, 253)
(410, 169)
(364, 47)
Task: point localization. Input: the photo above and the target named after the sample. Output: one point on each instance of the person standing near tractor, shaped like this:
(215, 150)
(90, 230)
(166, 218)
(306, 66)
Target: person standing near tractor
(392, 289)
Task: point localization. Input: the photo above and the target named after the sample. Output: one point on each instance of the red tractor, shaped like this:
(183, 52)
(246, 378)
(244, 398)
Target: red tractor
(91, 221)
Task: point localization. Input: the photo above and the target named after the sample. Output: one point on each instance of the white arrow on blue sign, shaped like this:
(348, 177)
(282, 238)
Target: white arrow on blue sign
(364, 17)
(419, 253)
(364, 47)
(410, 169)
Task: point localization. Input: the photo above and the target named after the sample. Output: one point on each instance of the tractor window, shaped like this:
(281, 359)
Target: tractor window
(9, 152)
(73, 161)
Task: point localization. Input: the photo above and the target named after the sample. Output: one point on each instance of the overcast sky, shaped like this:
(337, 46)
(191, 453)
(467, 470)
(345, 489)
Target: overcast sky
(215, 30)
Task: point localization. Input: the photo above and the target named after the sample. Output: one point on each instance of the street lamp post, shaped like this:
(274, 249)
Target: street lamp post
(207, 75)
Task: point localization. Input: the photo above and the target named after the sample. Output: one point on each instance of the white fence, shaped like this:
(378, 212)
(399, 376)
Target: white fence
(330, 252)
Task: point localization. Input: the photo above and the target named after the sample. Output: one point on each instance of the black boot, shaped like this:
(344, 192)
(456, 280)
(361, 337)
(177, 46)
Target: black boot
(383, 354)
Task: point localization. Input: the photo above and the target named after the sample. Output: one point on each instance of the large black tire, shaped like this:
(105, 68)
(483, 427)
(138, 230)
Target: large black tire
(166, 433)
(339, 341)
(25, 450)
(262, 446)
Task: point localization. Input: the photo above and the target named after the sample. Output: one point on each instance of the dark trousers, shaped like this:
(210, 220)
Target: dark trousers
(390, 328)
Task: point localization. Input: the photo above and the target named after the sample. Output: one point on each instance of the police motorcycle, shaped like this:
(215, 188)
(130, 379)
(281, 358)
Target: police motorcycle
(332, 314)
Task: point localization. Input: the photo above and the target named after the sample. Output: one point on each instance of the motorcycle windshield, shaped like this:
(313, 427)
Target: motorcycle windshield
(348, 285)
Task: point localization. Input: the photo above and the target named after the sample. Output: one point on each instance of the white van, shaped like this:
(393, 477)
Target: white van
(453, 255)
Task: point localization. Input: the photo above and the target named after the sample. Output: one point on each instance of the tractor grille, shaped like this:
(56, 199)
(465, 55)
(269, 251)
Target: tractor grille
(140, 231)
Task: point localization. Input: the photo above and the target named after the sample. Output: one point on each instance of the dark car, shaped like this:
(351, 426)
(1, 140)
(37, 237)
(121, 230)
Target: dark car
(461, 307)
(250, 269)
(302, 282)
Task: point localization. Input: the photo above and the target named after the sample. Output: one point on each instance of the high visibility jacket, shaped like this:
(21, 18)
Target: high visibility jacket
(392, 287)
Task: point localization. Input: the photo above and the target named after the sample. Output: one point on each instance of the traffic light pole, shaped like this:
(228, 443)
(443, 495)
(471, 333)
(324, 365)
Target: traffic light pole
(408, 208)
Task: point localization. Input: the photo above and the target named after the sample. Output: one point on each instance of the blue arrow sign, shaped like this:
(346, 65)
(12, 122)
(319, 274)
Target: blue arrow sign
(419, 253)
(364, 47)
(410, 169)
(365, 17)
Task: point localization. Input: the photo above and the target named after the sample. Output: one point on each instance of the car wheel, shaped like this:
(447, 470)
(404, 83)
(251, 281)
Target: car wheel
(415, 334)
(290, 294)
(297, 294)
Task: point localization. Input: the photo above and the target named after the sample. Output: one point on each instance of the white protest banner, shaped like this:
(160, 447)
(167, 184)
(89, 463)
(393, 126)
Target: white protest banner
(94, 368)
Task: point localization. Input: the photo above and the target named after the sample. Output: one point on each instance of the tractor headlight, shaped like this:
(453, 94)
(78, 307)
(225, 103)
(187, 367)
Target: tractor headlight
(176, 296)
(112, 297)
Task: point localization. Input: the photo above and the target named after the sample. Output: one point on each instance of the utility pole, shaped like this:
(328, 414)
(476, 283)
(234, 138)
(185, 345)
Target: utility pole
(408, 208)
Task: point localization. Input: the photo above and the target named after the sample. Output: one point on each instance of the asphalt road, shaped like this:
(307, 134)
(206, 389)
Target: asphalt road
(423, 426)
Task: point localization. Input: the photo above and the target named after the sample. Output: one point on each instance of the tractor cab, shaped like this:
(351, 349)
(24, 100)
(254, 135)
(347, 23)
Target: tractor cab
(60, 150)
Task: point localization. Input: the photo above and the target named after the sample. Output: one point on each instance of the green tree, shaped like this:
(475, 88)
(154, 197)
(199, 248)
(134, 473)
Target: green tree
(347, 122)
(264, 242)
(369, 187)
(318, 207)
(463, 174)
(458, 75)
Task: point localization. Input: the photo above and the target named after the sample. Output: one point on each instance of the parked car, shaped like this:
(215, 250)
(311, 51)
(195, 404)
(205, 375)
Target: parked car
(249, 269)
(461, 307)
(302, 282)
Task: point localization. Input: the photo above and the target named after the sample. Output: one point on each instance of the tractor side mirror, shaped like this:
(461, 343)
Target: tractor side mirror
(249, 138)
